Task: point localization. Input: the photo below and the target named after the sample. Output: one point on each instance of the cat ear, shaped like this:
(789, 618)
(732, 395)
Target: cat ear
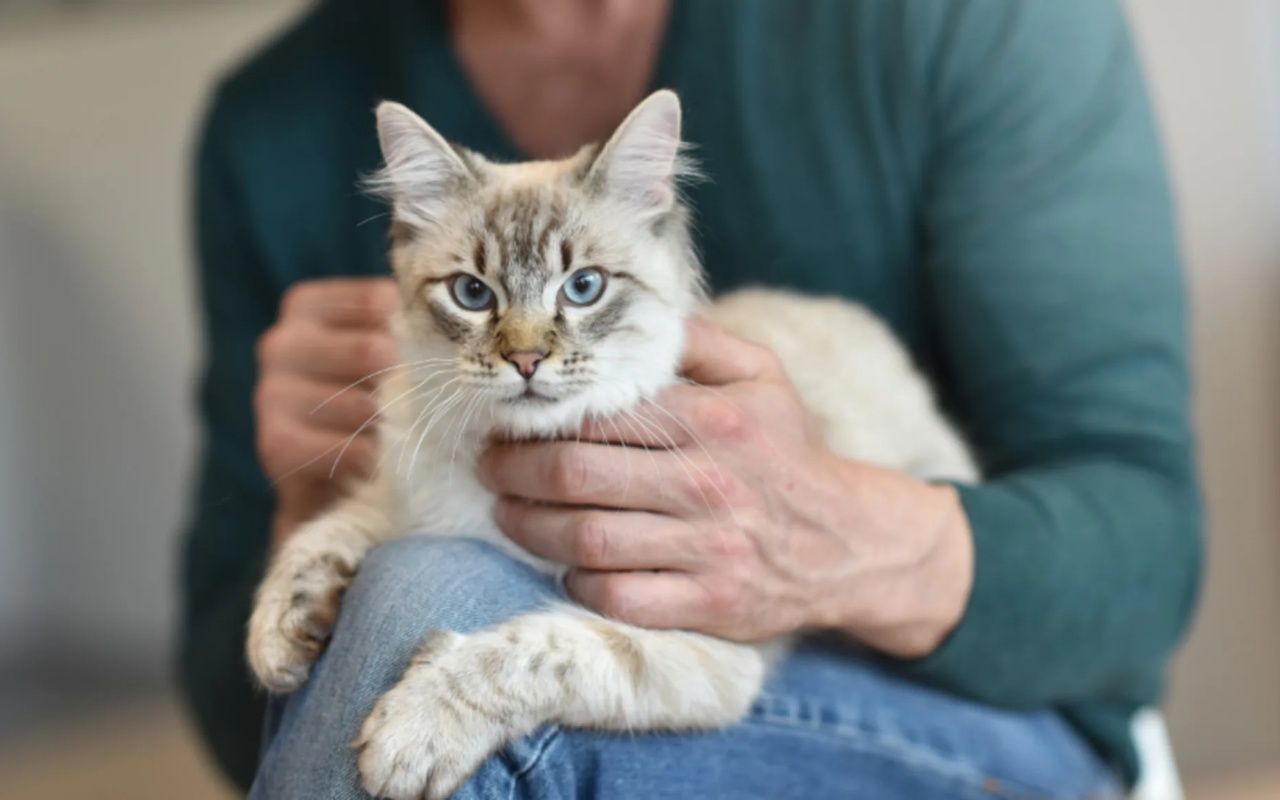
(642, 163)
(422, 171)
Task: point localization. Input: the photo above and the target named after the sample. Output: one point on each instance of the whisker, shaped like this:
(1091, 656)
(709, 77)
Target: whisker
(429, 409)
(462, 428)
(372, 417)
(711, 459)
(626, 487)
(459, 395)
(413, 366)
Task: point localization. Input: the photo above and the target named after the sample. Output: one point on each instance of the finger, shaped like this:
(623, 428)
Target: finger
(343, 302)
(682, 417)
(647, 599)
(643, 426)
(714, 357)
(584, 474)
(337, 407)
(327, 353)
(599, 539)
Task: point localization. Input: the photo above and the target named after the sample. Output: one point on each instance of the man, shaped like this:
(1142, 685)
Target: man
(984, 175)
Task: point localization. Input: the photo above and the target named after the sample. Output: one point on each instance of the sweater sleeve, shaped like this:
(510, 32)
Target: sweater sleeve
(227, 535)
(1055, 286)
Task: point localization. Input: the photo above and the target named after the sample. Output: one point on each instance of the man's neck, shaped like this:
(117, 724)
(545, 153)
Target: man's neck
(558, 73)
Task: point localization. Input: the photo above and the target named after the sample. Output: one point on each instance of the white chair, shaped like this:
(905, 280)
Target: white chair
(1159, 779)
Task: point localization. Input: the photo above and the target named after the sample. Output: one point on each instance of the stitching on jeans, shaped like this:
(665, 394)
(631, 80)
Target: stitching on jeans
(549, 740)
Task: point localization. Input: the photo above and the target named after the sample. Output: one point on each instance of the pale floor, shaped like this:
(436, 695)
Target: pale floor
(147, 752)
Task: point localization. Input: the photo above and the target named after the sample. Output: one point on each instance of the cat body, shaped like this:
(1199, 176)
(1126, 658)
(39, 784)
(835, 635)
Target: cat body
(537, 297)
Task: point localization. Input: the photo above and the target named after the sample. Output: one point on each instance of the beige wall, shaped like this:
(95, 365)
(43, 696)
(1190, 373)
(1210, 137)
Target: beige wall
(1216, 72)
(98, 332)
(96, 116)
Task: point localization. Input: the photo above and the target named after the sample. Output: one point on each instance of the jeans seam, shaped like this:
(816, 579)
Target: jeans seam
(550, 740)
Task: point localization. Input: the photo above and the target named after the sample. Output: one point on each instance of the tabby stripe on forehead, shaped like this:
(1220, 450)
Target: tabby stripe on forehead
(526, 216)
(554, 223)
(566, 254)
(481, 255)
(493, 227)
(449, 324)
(606, 320)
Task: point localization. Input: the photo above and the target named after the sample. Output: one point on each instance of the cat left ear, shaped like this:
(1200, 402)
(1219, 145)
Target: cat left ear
(422, 170)
(641, 163)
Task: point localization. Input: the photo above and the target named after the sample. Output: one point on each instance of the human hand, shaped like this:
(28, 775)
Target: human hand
(737, 521)
(330, 333)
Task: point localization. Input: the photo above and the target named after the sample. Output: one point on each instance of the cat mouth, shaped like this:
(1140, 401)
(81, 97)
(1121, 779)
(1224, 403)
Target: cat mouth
(531, 395)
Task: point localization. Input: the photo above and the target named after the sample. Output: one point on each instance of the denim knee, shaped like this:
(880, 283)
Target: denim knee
(452, 583)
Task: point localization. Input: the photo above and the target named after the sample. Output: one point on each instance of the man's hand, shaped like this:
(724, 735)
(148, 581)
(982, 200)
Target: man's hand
(737, 520)
(330, 334)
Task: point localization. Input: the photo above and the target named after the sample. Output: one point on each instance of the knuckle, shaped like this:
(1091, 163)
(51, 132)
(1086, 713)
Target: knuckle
(591, 540)
(376, 298)
(570, 473)
(372, 350)
(715, 487)
(266, 399)
(296, 297)
(274, 443)
(727, 547)
(766, 356)
(723, 598)
(272, 344)
(718, 418)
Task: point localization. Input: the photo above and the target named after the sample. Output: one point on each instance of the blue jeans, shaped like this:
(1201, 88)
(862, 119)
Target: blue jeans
(826, 726)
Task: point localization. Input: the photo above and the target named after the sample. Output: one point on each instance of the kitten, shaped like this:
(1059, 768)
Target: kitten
(578, 274)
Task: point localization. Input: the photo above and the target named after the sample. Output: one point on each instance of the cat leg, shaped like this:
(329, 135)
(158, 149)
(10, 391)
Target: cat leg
(297, 602)
(464, 697)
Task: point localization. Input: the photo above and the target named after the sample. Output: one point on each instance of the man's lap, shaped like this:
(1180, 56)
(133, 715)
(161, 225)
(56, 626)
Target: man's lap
(827, 724)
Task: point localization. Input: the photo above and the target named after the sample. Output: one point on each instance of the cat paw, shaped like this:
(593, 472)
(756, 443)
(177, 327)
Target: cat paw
(292, 620)
(427, 735)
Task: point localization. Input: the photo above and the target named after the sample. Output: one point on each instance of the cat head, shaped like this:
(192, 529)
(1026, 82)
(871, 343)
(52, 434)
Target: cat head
(546, 291)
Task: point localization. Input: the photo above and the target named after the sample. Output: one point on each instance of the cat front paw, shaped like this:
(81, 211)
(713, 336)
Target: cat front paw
(292, 620)
(431, 732)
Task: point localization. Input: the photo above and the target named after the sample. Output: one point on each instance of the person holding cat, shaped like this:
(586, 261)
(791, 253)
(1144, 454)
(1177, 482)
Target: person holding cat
(985, 177)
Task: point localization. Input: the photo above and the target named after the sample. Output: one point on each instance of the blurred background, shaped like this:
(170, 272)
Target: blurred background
(99, 347)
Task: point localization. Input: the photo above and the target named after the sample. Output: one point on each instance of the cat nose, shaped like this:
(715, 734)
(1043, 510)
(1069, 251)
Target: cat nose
(526, 361)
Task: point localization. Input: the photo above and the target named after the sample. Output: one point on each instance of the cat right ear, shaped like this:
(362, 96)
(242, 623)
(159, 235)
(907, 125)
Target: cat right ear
(422, 171)
(643, 163)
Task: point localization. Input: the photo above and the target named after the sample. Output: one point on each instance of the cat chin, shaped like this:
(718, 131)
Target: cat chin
(564, 417)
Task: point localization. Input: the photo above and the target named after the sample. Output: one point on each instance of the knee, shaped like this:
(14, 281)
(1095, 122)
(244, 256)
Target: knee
(459, 584)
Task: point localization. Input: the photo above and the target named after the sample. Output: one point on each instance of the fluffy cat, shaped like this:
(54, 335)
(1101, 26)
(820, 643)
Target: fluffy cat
(537, 295)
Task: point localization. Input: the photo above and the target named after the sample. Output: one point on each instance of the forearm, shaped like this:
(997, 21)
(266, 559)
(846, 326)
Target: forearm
(1085, 578)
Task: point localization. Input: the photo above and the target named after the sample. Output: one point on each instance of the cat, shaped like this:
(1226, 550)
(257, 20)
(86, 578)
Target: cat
(537, 295)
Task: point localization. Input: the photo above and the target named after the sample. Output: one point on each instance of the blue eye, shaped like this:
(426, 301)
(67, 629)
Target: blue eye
(471, 293)
(584, 287)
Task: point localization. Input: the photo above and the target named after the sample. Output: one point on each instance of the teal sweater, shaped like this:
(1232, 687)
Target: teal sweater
(983, 174)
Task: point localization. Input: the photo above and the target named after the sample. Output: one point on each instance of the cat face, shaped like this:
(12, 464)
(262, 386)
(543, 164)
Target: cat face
(541, 292)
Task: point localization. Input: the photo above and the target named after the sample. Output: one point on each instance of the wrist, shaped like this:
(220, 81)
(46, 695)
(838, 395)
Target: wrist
(917, 563)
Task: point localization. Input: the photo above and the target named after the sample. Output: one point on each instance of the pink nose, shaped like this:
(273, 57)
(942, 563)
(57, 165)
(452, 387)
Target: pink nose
(526, 361)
